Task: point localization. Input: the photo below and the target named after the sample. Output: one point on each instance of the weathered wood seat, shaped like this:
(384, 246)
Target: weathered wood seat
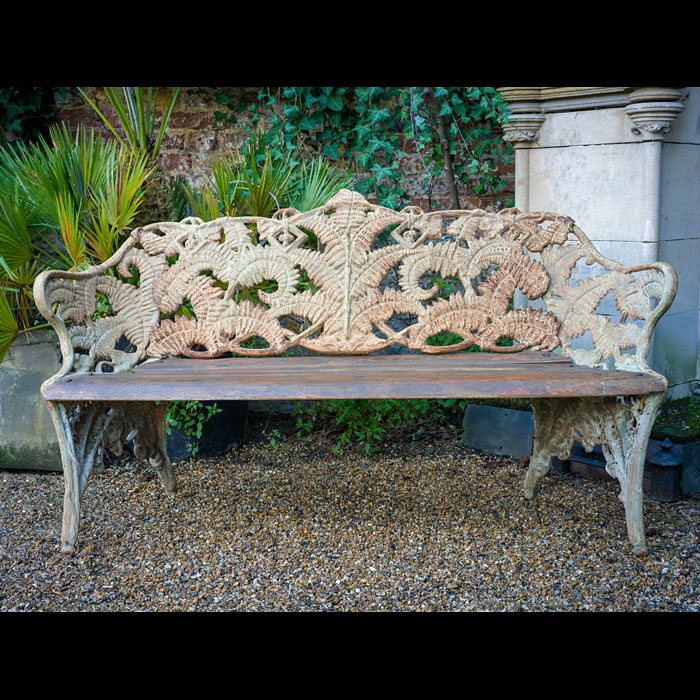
(343, 281)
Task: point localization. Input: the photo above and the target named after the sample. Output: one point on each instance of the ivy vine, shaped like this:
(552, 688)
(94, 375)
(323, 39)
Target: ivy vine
(456, 132)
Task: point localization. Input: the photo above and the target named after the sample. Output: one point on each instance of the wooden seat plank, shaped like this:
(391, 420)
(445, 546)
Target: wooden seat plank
(466, 375)
(436, 362)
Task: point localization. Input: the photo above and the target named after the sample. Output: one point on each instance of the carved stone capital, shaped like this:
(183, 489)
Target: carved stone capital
(652, 120)
(522, 128)
(652, 110)
(654, 94)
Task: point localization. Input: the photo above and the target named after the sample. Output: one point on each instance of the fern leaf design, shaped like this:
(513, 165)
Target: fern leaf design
(209, 263)
(378, 307)
(496, 292)
(633, 300)
(528, 328)
(527, 228)
(453, 315)
(576, 308)
(468, 226)
(445, 259)
(178, 337)
(76, 298)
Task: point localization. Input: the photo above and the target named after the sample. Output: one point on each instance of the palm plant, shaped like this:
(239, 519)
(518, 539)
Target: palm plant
(136, 112)
(263, 187)
(317, 183)
(136, 109)
(66, 203)
(251, 181)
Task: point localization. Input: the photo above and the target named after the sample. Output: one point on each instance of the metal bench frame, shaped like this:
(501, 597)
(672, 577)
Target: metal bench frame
(340, 296)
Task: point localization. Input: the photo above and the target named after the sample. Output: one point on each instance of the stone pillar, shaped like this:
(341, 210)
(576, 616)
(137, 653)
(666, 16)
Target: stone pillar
(624, 162)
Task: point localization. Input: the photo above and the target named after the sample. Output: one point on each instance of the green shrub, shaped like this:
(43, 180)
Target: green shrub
(190, 417)
(368, 423)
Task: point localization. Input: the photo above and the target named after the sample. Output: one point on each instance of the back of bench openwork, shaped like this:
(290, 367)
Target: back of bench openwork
(333, 280)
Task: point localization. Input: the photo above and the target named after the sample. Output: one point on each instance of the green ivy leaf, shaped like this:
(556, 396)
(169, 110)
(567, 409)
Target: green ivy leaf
(364, 160)
(382, 171)
(364, 185)
(330, 150)
(335, 102)
(307, 124)
(362, 130)
(377, 115)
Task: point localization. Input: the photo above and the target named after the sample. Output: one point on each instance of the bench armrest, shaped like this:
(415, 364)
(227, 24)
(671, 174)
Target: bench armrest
(642, 294)
(63, 296)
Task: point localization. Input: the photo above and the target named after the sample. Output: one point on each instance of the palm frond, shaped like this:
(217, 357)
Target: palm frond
(263, 187)
(8, 325)
(135, 111)
(202, 201)
(225, 182)
(319, 182)
(17, 218)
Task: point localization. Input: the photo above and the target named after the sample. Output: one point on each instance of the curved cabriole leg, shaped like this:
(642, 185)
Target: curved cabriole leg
(540, 462)
(621, 427)
(634, 468)
(79, 427)
(547, 428)
(85, 428)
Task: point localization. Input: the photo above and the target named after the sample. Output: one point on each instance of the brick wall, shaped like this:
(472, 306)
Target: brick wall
(192, 142)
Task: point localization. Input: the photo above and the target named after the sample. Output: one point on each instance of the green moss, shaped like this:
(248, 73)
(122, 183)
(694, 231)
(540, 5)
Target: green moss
(678, 420)
(31, 458)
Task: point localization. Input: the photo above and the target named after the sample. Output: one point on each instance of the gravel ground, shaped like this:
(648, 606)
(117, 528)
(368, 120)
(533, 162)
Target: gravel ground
(425, 526)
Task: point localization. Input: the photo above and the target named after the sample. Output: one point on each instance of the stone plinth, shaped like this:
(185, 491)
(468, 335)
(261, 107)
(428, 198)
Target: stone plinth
(27, 434)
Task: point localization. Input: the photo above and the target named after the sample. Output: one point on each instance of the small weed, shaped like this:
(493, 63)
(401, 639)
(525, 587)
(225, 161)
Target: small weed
(190, 417)
(275, 437)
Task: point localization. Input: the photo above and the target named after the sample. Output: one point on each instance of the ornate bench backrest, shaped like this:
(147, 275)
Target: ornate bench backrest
(333, 280)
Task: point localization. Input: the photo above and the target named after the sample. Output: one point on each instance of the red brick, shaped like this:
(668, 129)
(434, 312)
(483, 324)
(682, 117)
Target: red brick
(171, 141)
(176, 162)
(83, 115)
(191, 120)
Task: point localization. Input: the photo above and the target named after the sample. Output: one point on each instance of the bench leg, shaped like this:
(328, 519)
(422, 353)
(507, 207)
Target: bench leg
(160, 460)
(144, 422)
(84, 429)
(622, 428)
(79, 427)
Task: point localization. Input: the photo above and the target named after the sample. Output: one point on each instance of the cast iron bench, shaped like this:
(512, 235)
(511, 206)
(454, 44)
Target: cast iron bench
(334, 281)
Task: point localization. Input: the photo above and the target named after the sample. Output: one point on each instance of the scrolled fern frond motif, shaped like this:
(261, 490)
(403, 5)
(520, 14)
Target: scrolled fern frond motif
(134, 311)
(332, 280)
(641, 294)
